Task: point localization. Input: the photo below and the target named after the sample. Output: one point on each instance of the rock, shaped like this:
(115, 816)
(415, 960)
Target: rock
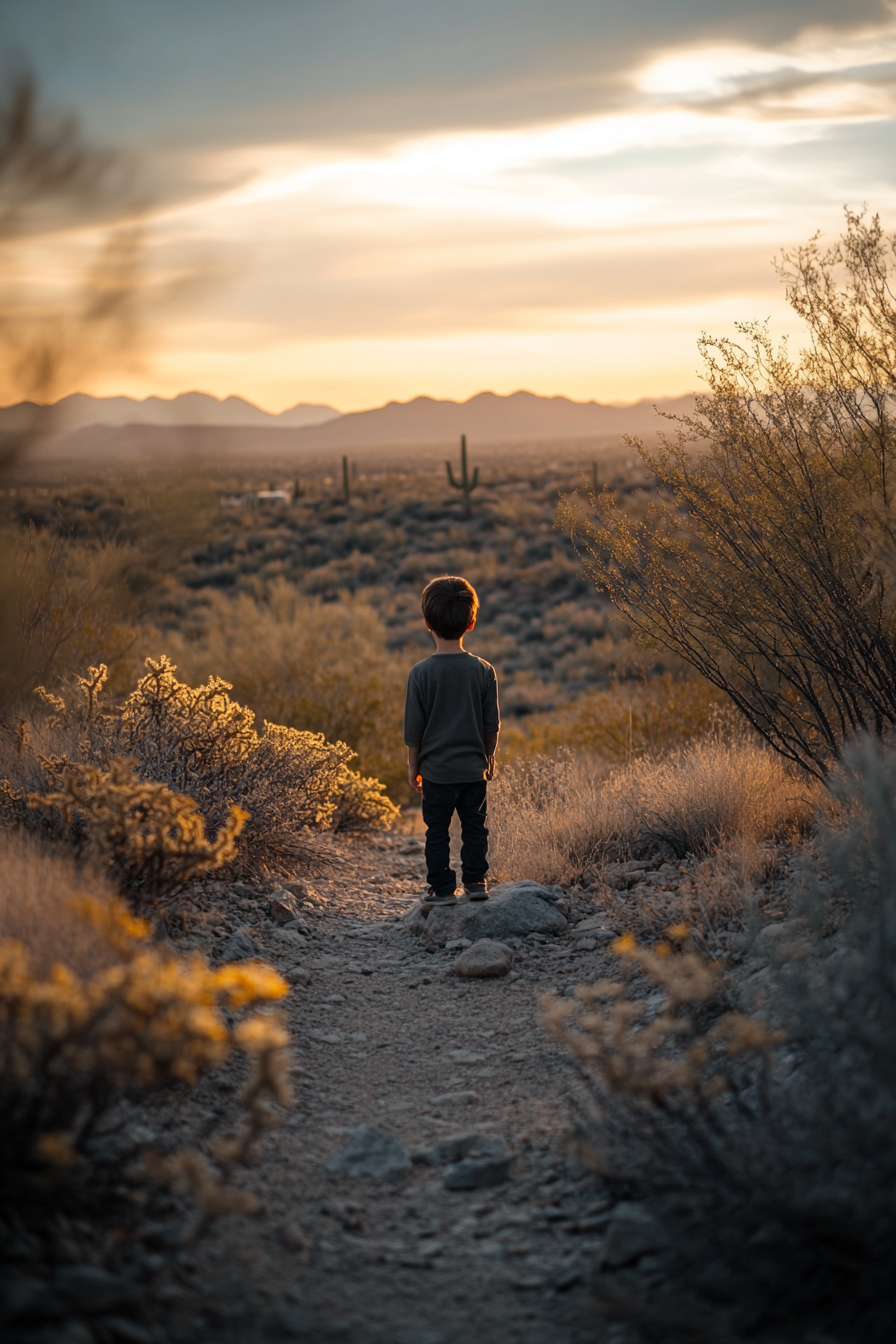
(596, 927)
(586, 944)
(288, 1323)
(239, 946)
(74, 1332)
(621, 876)
(484, 958)
(373, 1153)
(298, 975)
(283, 906)
(95, 1291)
(457, 945)
(633, 1231)
(240, 889)
(290, 938)
(478, 1173)
(412, 847)
(456, 1099)
(126, 1332)
(24, 1298)
(773, 935)
(296, 926)
(453, 1147)
(415, 919)
(513, 911)
(292, 1237)
(301, 891)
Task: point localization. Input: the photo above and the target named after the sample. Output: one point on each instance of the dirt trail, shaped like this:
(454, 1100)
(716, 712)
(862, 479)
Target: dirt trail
(385, 1034)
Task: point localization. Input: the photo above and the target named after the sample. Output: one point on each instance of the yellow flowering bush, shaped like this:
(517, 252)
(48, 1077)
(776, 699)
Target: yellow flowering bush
(70, 1042)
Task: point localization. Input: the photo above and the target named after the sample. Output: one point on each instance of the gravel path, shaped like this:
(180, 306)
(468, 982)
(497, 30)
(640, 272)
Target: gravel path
(385, 1034)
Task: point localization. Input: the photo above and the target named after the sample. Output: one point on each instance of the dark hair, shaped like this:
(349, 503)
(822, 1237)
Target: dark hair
(450, 605)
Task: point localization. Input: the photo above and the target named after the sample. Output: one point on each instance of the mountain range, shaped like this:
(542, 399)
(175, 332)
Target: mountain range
(80, 410)
(82, 426)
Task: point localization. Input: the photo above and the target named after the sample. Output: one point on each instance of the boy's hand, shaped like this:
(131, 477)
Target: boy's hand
(415, 782)
(489, 767)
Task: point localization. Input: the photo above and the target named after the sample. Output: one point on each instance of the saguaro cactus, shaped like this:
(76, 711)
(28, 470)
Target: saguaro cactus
(466, 483)
(346, 481)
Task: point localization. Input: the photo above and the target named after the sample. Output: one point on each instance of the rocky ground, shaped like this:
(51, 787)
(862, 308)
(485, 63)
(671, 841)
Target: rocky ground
(414, 1087)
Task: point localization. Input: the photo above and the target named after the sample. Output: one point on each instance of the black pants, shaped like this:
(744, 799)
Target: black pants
(440, 802)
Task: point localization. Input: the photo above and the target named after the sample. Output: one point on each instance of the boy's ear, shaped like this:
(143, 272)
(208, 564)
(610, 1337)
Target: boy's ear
(470, 626)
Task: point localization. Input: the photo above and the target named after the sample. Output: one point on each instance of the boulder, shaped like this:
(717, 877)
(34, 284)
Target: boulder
(373, 1153)
(485, 958)
(512, 911)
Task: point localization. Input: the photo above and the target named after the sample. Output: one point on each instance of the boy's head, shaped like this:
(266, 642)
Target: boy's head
(450, 605)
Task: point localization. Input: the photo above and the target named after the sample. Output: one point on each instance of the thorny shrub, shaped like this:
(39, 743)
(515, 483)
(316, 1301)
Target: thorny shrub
(763, 1144)
(72, 1040)
(198, 764)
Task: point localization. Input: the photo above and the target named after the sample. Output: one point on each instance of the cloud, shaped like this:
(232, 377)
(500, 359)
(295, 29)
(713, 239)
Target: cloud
(411, 197)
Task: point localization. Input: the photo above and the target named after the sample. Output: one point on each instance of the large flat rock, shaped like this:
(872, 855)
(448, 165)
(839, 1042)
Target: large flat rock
(511, 911)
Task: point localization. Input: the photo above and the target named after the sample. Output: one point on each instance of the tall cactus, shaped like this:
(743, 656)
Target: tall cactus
(346, 481)
(466, 483)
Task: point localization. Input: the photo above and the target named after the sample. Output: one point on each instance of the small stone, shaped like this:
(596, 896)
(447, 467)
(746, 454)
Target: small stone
(239, 946)
(469, 1143)
(633, 1231)
(282, 906)
(478, 1173)
(95, 1291)
(292, 1237)
(126, 1332)
(301, 891)
(483, 959)
(288, 1323)
(457, 944)
(514, 975)
(298, 975)
(456, 1099)
(241, 890)
(587, 944)
(373, 1153)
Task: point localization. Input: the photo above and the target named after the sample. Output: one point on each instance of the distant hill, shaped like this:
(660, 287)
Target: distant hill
(80, 411)
(485, 418)
(490, 418)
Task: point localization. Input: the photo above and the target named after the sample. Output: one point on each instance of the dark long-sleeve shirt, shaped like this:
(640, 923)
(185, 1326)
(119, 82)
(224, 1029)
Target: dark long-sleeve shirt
(451, 706)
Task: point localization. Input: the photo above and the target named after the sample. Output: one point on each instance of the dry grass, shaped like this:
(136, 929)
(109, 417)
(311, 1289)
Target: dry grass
(558, 818)
(38, 892)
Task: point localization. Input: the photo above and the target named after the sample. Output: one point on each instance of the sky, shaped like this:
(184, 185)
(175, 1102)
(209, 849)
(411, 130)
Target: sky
(353, 201)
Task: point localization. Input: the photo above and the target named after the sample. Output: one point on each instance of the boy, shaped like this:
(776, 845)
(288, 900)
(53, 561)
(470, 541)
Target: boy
(451, 726)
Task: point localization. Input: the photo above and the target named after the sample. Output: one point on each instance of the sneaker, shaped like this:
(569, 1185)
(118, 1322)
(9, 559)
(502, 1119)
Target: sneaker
(477, 891)
(431, 898)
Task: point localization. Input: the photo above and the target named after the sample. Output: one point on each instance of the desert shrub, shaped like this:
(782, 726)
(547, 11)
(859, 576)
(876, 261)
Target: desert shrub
(361, 805)
(141, 783)
(114, 1014)
(762, 1144)
(316, 666)
(556, 818)
(138, 828)
(765, 565)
